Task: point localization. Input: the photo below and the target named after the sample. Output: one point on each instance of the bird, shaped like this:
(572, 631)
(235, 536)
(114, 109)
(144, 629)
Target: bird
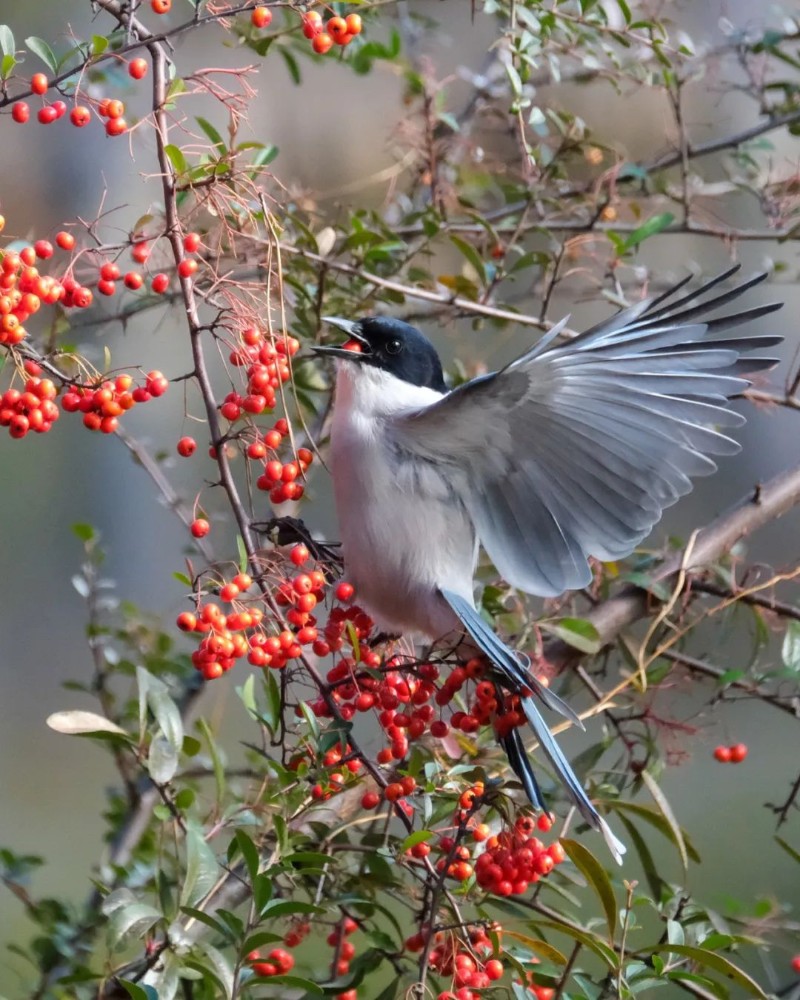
(571, 451)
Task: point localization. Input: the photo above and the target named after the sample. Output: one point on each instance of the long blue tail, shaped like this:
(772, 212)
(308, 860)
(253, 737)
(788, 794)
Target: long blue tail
(513, 666)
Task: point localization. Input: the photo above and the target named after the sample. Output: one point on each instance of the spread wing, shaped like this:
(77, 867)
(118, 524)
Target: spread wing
(575, 449)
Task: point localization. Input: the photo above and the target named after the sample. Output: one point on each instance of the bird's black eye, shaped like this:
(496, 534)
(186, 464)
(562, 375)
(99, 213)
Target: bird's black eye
(394, 346)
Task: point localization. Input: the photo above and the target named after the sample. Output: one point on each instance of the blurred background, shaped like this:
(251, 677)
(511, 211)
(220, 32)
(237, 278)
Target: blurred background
(333, 132)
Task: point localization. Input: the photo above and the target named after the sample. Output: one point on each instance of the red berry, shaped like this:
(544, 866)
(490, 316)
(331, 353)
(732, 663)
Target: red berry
(161, 6)
(39, 83)
(65, 240)
(723, 755)
(796, 963)
(186, 621)
(299, 555)
(140, 252)
(47, 115)
(344, 591)
(738, 752)
(261, 17)
(133, 280)
(106, 287)
(160, 283)
(191, 242)
(336, 28)
(80, 116)
(43, 249)
(312, 23)
(494, 968)
(60, 108)
(187, 267)
(137, 68)
(116, 126)
(200, 527)
(186, 447)
(20, 112)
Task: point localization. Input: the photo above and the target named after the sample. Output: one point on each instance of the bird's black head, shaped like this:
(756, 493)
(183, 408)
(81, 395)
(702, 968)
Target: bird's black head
(393, 346)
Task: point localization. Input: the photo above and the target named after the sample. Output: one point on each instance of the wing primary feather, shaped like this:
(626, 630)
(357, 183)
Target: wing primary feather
(513, 665)
(705, 287)
(505, 660)
(518, 758)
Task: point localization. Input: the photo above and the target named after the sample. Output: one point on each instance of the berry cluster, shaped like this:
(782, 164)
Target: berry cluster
(103, 404)
(340, 764)
(23, 290)
(513, 859)
(466, 961)
(241, 632)
(33, 409)
(343, 952)
(278, 962)
(335, 31)
(734, 754)
(108, 108)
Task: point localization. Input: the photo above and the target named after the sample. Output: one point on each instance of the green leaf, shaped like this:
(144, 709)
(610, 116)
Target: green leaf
(182, 578)
(162, 760)
(216, 760)
(654, 225)
(242, 550)
(790, 651)
(156, 694)
(311, 720)
(176, 158)
(279, 907)
(99, 44)
(7, 44)
(134, 919)
(136, 991)
(596, 876)
(587, 938)
(7, 66)
(711, 960)
(669, 816)
(472, 255)
(298, 983)
(655, 818)
(541, 948)
(576, 632)
(218, 964)
(204, 918)
(265, 156)
(260, 938)
(654, 880)
(291, 64)
(40, 48)
(249, 852)
(272, 711)
(212, 134)
(202, 869)
(418, 837)
(85, 532)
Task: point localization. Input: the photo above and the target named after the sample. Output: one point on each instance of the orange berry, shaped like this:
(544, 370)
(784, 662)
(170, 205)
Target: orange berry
(353, 23)
(261, 17)
(322, 43)
(80, 116)
(39, 83)
(161, 6)
(116, 126)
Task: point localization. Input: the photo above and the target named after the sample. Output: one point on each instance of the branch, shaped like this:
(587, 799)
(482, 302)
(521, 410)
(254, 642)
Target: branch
(765, 504)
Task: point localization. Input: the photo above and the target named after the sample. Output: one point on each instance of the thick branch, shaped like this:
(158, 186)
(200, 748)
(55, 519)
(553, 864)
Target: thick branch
(767, 503)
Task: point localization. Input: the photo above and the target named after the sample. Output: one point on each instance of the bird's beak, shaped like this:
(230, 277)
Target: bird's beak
(356, 348)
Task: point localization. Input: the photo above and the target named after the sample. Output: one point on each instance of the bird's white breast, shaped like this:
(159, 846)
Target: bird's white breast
(404, 530)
